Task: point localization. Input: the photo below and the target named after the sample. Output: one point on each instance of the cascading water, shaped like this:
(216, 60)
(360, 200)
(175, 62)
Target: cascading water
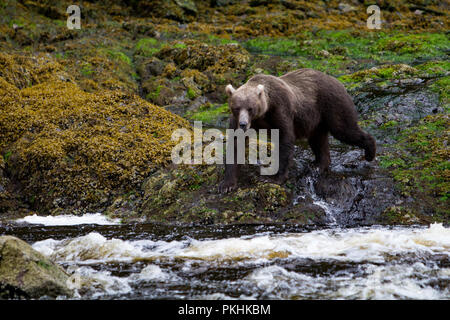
(147, 261)
(330, 210)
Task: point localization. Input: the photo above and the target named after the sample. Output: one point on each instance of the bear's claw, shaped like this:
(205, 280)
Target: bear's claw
(226, 187)
(275, 180)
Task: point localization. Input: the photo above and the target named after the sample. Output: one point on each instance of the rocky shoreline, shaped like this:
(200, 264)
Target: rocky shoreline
(87, 114)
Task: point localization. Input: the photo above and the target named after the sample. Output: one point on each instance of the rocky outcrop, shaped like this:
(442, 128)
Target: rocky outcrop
(26, 273)
(52, 127)
(87, 115)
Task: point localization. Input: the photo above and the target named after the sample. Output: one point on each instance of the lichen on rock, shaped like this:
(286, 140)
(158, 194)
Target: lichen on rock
(26, 273)
(79, 146)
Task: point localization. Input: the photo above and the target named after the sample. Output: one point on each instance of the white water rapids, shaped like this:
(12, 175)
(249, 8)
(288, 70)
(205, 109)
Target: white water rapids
(69, 220)
(359, 263)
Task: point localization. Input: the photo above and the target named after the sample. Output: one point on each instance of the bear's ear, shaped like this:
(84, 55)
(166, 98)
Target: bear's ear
(260, 89)
(229, 90)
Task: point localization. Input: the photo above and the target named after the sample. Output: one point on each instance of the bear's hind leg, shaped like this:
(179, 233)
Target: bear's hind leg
(318, 141)
(353, 135)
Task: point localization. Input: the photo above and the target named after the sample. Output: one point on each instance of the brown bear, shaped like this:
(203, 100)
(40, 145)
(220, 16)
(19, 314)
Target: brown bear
(302, 104)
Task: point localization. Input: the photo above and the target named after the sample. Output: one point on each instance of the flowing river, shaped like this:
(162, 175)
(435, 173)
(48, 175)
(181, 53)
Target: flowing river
(109, 260)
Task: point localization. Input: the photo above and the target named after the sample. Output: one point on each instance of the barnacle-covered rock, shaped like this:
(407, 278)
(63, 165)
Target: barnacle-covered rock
(203, 57)
(69, 148)
(24, 71)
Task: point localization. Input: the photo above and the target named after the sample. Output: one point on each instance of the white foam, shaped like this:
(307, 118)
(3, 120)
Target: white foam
(94, 248)
(382, 273)
(69, 220)
(350, 245)
(400, 281)
(372, 245)
(97, 283)
(153, 273)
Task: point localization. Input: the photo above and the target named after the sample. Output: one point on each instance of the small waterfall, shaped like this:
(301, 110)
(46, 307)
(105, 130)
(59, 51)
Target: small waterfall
(331, 211)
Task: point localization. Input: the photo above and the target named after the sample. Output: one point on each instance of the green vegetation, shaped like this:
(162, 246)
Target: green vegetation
(383, 72)
(404, 47)
(275, 46)
(86, 69)
(44, 264)
(152, 96)
(7, 155)
(191, 93)
(118, 55)
(147, 47)
(208, 113)
(334, 51)
(441, 86)
(419, 162)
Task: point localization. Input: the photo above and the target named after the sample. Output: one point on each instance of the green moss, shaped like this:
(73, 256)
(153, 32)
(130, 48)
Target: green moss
(434, 68)
(208, 113)
(385, 72)
(422, 45)
(60, 23)
(389, 125)
(7, 155)
(389, 162)
(419, 162)
(152, 96)
(180, 45)
(19, 22)
(442, 86)
(400, 215)
(381, 73)
(59, 55)
(333, 51)
(118, 55)
(213, 39)
(147, 47)
(191, 93)
(280, 47)
(86, 70)
(43, 264)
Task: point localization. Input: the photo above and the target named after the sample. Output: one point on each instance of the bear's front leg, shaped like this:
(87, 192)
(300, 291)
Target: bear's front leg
(230, 180)
(229, 183)
(285, 156)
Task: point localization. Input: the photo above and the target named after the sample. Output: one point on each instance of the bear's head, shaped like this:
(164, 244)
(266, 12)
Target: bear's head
(247, 103)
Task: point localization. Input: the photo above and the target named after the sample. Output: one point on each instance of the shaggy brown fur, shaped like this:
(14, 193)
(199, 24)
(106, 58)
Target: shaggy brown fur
(302, 104)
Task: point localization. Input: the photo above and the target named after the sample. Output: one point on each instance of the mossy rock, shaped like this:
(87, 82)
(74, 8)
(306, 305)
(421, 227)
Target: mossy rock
(308, 214)
(189, 194)
(203, 57)
(73, 148)
(178, 10)
(211, 115)
(24, 71)
(24, 272)
(401, 215)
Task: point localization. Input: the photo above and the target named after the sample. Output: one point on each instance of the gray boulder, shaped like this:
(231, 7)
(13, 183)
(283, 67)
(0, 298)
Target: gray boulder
(24, 272)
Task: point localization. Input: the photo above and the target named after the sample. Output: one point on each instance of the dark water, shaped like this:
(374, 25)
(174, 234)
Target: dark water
(152, 261)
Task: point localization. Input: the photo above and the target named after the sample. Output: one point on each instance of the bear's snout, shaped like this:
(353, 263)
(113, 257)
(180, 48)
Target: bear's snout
(243, 125)
(244, 119)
